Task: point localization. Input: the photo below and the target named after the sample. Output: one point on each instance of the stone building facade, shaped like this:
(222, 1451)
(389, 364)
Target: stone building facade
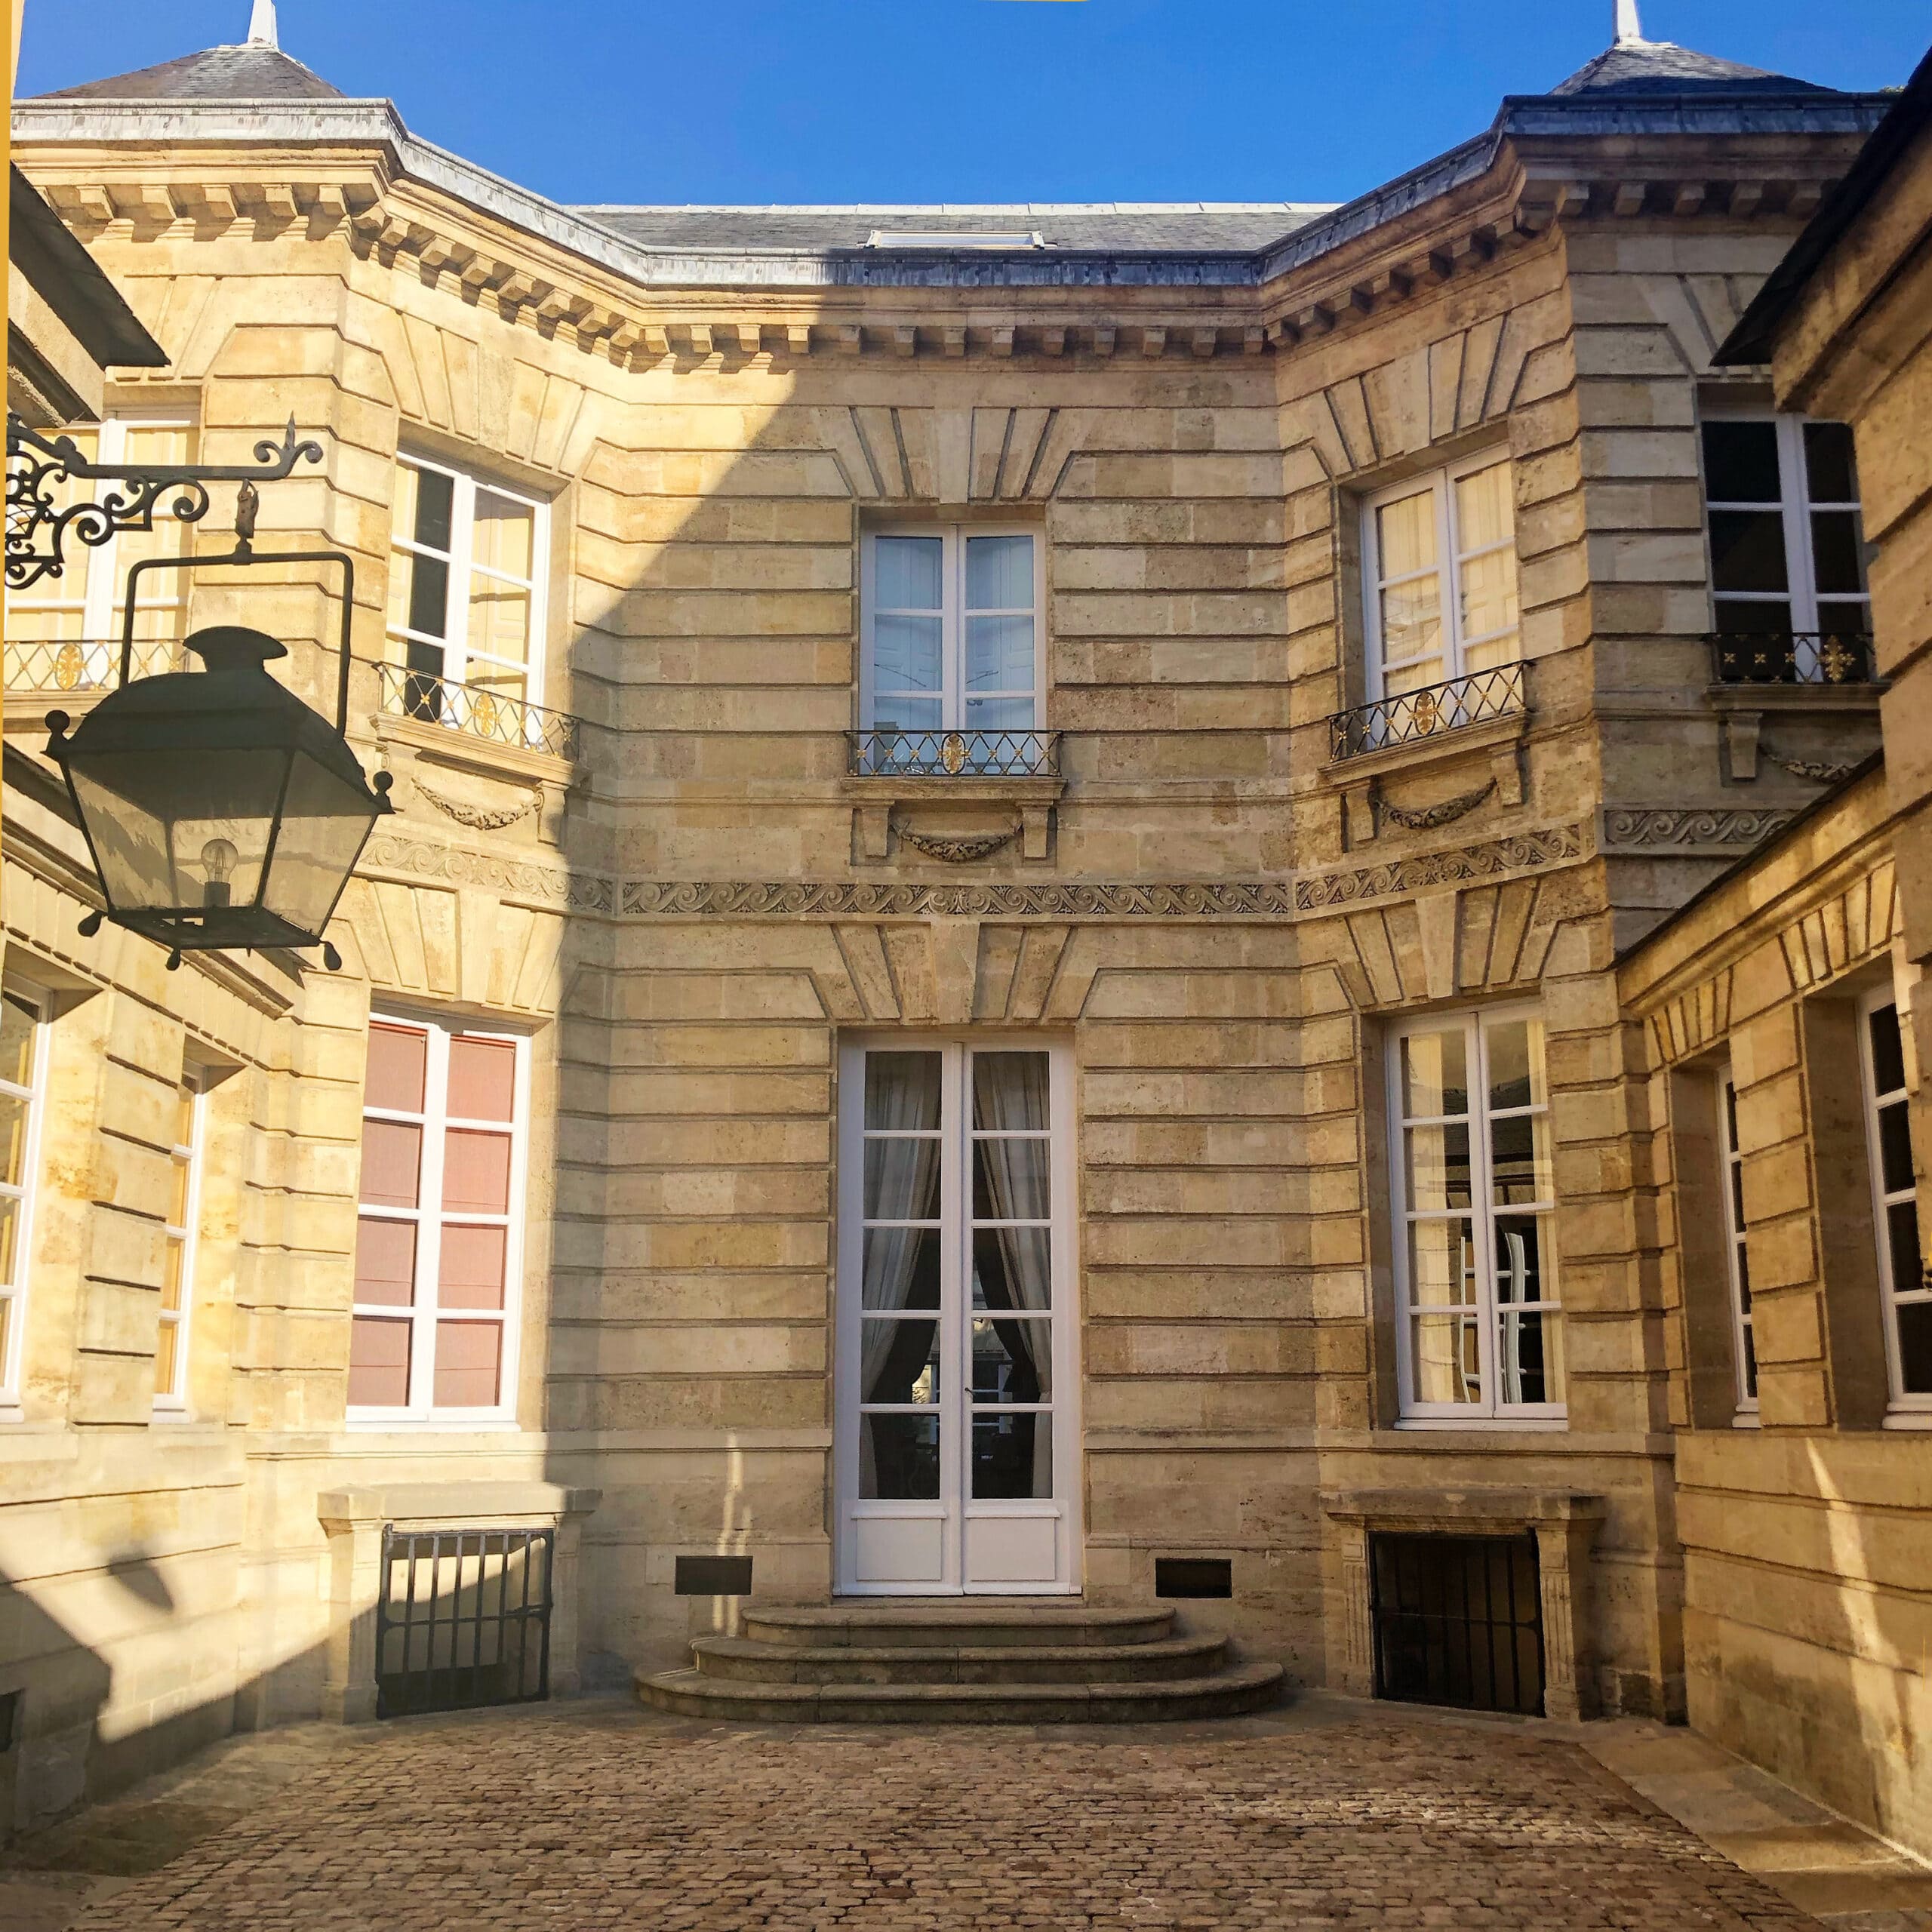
(999, 965)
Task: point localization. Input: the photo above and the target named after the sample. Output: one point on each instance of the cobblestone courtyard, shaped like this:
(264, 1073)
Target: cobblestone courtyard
(1328, 1814)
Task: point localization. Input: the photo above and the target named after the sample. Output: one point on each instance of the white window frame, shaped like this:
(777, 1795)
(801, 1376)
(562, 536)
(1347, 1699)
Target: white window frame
(1450, 558)
(173, 1400)
(1904, 1409)
(25, 1192)
(1800, 596)
(1491, 1413)
(421, 1412)
(98, 637)
(953, 694)
(457, 656)
(1737, 1258)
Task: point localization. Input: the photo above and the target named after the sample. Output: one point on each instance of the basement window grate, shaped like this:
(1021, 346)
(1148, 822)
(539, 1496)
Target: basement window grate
(1457, 1620)
(463, 1619)
(1193, 1577)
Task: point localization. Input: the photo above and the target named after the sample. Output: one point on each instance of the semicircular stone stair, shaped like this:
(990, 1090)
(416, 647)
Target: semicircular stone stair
(967, 1661)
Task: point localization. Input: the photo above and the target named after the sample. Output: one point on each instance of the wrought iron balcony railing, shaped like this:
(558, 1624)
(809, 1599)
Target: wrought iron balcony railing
(489, 715)
(80, 668)
(1792, 657)
(1426, 713)
(890, 753)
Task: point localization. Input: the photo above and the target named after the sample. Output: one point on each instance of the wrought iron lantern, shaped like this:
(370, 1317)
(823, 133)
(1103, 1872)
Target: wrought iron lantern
(221, 811)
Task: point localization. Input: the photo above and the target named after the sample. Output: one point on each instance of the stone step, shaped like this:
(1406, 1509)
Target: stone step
(1248, 1687)
(956, 1623)
(743, 1660)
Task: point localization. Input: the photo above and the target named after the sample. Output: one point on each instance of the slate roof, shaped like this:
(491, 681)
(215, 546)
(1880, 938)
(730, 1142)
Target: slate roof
(1650, 67)
(253, 72)
(1192, 227)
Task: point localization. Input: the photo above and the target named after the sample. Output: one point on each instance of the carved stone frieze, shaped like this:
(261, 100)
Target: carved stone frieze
(1818, 770)
(586, 892)
(1667, 829)
(1525, 851)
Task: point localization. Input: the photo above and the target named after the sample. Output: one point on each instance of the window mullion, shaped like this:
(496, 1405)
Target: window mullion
(1448, 578)
(429, 1221)
(456, 612)
(953, 630)
(1482, 1217)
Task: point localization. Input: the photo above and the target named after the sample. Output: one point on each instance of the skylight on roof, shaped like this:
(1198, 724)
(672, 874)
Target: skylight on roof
(966, 238)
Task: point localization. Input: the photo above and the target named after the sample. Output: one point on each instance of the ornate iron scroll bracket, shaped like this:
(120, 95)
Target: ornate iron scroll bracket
(39, 527)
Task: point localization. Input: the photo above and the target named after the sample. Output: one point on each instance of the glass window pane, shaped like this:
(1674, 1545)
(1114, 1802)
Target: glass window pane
(1405, 535)
(471, 1267)
(424, 502)
(906, 654)
(902, 1180)
(13, 1139)
(16, 1037)
(1435, 1076)
(1013, 1268)
(1489, 593)
(468, 1360)
(499, 619)
(1011, 1180)
(504, 537)
(482, 1078)
(1515, 1062)
(912, 716)
(392, 1163)
(1013, 1456)
(1442, 1264)
(1505, 648)
(898, 1361)
(419, 593)
(476, 1171)
(1895, 1147)
(1525, 1259)
(1416, 677)
(898, 1458)
(494, 681)
(999, 654)
(166, 1341)
(1529, 1356)
(901, 1092)
(1445, 1358)
(1011, 1093)
(1438, 1169)
(999, 573)
(174, 1252)
(1901, 1238)
(1747, 550)
(177, 1202)
(1831, 465)
(1519, 1154)
(1914, 1320)
(901, 1268)
(10, 1218)
(1741, 463)
(378, 1362)
(1838, 552)
(908, 573)
(386, 1262)
(1888, 1050)
(1412, 620)
(1483, 513)
(1013, 1361)
(1000, 714)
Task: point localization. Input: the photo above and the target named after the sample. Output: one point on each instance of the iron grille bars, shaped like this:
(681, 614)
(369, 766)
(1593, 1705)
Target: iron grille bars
(891, 753)
(476, 713)
(479, 1602)
(1457, 1620)
(1475, 700)
(1792, 657)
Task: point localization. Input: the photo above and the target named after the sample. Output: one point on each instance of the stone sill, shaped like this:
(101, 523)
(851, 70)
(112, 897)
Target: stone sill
(484, 1500)
(1385, 1508)
(1496, 742)
(488, 757)
(877, 796)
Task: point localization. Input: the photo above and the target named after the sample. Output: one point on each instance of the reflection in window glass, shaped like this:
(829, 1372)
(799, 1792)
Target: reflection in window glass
(1902, 1275)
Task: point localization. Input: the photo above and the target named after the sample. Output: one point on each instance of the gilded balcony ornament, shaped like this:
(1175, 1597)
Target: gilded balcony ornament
(953, 753)
(70, 663)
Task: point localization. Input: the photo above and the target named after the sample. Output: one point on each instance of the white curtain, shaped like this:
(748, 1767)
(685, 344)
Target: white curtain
(902, 1095)
(1010, 1096)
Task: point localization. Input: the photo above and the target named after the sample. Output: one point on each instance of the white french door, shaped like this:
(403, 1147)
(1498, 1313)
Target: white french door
(957, 1455)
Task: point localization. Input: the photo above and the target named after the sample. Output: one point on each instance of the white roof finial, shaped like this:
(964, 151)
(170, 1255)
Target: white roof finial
(1629, 29)
(261, 25)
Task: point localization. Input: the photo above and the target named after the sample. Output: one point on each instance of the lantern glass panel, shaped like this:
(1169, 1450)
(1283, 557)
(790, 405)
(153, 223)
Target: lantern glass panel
(173, 831)
(324, 822)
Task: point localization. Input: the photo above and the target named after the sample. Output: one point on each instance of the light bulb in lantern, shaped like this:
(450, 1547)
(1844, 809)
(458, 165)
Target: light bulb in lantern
(218, 858)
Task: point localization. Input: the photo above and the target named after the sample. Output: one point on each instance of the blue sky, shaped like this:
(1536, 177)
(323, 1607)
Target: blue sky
(779, 100)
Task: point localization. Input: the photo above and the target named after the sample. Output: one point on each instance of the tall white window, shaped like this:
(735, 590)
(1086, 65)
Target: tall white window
(77, 616)
(1439, 569)
(22, 1084)
(439, 1249)
(1902, 1276)
(1480, 1334)
(1744, 1346)
(1787, 548)
(465, 591)
(179, 1237)
(950, 624)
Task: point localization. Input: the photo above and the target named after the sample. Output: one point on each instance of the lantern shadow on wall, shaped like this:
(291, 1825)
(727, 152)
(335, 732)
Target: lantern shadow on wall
(221, 811)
